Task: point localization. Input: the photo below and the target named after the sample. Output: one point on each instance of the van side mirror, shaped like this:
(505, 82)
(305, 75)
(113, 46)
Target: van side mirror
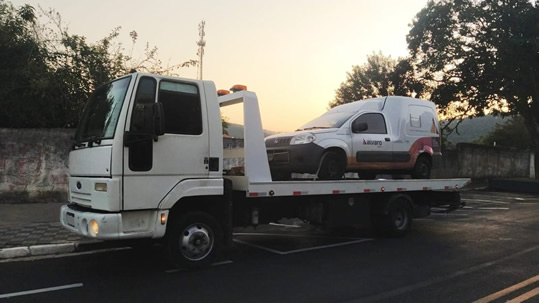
(359, 127)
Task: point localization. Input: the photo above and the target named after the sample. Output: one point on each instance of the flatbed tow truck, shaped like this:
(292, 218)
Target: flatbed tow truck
(148, 163)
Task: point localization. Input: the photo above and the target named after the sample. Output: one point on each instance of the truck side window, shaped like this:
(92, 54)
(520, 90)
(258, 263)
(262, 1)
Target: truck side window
(182, 107)
(145, 97)
(141, 153)
(376, 124)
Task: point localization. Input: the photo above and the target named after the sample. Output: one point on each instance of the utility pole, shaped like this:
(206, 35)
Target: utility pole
(201, 44)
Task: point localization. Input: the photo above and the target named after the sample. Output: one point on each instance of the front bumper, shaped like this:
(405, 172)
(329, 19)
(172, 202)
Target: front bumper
(114, 226)
(301, 158)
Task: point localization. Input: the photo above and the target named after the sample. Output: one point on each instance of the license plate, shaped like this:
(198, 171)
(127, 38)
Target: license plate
(70, 219)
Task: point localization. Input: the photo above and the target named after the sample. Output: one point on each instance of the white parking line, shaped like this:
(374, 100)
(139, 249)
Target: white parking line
(486, 208)
(486, 201)
(295, 236)
(175, 270)
(299, 250)
(284, 225)
(41, 290)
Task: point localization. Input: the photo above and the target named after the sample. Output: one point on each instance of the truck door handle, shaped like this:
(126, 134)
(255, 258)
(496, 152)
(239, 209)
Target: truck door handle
(388, 139)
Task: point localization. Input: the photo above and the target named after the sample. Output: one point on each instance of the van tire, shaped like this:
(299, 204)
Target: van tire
(194, 240)
(332, 166)
(422, 168)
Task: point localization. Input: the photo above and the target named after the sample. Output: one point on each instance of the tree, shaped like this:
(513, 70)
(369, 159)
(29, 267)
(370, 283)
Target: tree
(482, 55)
(380, 76)
(47, 73)
(511, 133)
(23, 67)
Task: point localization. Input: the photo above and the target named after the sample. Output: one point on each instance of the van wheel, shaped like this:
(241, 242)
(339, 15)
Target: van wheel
(332, 166)
(194, 240)
(422, 168)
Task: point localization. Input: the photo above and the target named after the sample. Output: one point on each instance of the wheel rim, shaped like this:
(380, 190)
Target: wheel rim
(400, 219)
(196, 242)
(333, 168)
(423, 169)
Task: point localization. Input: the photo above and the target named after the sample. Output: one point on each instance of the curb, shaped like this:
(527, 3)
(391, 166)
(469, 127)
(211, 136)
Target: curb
(514, 185)
(36, 250)
(14, 253)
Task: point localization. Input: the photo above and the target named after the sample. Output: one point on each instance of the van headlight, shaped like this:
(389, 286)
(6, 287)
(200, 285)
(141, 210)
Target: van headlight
(303, 139)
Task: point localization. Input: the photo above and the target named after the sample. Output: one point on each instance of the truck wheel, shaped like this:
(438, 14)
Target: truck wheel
(422, 168)
(194, 240)
(397, 221)
(332, 166)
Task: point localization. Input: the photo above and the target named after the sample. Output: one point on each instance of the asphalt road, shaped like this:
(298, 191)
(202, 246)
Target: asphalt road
(485, 252)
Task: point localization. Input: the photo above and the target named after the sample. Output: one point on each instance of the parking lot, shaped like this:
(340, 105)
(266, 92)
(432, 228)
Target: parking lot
(487, 251)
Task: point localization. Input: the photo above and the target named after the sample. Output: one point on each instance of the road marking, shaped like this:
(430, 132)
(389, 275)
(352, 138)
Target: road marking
(295, 236)
(406, 289)
(486, 208)
(284, 225)
(486, 201)
(175, 270)
(509, 290)
(452, 214)
(299, 250)
(41, 290)
(524, 297)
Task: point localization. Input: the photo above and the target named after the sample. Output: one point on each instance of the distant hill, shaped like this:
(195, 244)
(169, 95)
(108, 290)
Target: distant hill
(236, 131)
(474, 128)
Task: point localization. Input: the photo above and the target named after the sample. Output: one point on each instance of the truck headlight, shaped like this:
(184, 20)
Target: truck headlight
(303, 139)
(93, 228)
(100, 187)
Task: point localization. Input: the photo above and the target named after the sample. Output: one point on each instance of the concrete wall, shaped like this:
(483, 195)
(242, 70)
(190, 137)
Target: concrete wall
(480, 161)
(33, 163)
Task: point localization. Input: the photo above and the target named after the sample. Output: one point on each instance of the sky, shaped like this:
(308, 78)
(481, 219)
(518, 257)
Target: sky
(293, 54)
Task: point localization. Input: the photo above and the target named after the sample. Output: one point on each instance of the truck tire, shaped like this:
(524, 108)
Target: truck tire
(422, 168)
(332, 166)
(194, 240)
(397, 221)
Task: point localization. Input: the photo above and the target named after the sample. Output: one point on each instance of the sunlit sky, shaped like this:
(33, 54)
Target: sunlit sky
(293, 54)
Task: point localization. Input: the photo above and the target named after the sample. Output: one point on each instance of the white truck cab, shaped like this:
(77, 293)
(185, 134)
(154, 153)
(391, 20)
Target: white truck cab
(124, 158)
(383, 135)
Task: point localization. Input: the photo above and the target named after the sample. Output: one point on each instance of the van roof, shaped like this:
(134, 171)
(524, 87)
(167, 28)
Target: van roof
(372, 104)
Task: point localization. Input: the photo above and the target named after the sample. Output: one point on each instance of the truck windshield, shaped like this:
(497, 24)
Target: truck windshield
(328, 120)
(102, 110)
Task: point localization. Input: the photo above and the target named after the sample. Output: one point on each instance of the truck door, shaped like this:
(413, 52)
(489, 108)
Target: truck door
(371, 144)
(152, 168)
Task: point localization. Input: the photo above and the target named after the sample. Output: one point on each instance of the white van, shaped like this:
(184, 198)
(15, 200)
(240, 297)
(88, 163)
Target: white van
(390, 135)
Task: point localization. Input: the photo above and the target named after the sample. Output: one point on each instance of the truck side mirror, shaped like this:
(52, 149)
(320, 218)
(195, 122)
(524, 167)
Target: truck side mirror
(359, 127)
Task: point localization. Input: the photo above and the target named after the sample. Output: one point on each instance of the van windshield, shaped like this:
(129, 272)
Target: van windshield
(328, 120)
(102, 110)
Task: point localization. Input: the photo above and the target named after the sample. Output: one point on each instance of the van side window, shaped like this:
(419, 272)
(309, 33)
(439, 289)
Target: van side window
(182, 107)
(376, 124)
